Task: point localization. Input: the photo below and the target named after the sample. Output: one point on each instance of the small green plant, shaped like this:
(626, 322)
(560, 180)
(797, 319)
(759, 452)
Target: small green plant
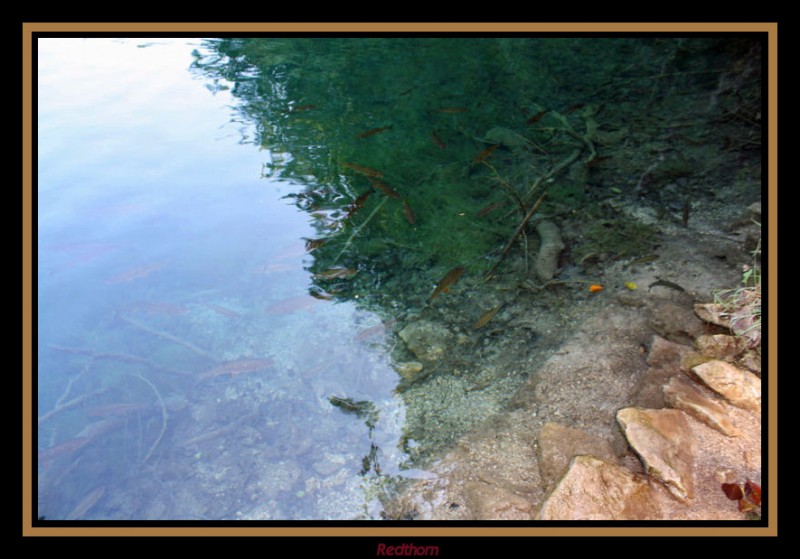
(743, 305)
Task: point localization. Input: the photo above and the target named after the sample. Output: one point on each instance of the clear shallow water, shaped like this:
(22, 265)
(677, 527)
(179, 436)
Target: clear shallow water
(163, 253)
(261, 262)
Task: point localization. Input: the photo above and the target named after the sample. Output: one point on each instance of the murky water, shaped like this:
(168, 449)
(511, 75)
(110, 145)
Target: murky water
(263, 264)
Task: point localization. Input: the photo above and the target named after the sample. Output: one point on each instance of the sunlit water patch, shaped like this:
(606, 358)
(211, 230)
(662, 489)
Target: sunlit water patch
(184, 371)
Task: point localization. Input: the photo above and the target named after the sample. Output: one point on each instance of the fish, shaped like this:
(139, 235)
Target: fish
(357, 204)
(336, 273)
(66, 448)
(147, 307)
(362, 170)
(665, 283)
(135, 273)
(630, 285)
(302, 108)
(485, 153)
(437, 140)
(597, 160)
(86, 503)
(294, 304)
(373, 131)
(486, 317)
(313, 244)
(453, 110)
(408, 212)
(448, 280)
(236, 367)
(222, 310)
(385, 188)
(321, 295)
(490, 208)
(374, 331)
(594, 288)
(536, 118)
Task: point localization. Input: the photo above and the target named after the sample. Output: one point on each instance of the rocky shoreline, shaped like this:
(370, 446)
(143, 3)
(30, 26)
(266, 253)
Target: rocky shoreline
(642, 415)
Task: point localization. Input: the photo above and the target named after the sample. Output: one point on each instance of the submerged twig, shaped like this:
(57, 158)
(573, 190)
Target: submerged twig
(163, 415)
(517, 233)
(358, 229)
(124, 357)
(167, 336)
(507, 188)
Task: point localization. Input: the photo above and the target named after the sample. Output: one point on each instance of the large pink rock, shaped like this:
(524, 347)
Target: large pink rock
(663, 440)
(593, 489)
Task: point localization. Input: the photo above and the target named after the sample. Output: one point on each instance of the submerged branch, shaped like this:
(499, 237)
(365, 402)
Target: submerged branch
(163, 415)
(167, 336)
(517, 233)
(358, 229)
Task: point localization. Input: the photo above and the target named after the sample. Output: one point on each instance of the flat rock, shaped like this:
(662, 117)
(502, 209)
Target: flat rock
(427, 340)
(684, 395)
(741, 388)
(663, 440)
(714, 313)
(721, 346)
(676, 323)
(593, 489)
(490, 502)
(665, 353)
(559, 444)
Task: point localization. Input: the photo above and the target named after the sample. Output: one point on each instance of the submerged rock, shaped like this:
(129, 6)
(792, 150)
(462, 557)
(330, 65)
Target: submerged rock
(427, 340)
(408, 369)
(547, 260)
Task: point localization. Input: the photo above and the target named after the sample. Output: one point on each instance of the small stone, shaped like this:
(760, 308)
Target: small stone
(559, 444)
(741, 388)
(408, 369)
(681, 394)
(427, 340)
(663, 441)
(593, 489)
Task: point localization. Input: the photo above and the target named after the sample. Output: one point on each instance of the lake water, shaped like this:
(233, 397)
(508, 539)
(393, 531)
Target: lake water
(262, 264)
